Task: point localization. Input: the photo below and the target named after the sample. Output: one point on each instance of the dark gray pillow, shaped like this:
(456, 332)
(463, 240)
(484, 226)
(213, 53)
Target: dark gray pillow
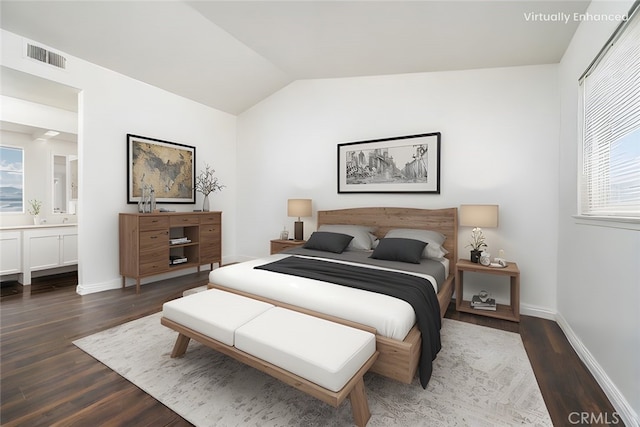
(398, 249)
(328, 242)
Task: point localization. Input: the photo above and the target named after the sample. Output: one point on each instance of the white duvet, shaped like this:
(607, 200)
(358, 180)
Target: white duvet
(391, 317)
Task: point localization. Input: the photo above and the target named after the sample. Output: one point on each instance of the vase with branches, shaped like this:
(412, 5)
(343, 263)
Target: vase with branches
(207, 183)
(477, 243)
(35, 206)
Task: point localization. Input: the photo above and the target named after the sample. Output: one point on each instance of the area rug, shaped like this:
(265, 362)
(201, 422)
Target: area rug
(481, 377)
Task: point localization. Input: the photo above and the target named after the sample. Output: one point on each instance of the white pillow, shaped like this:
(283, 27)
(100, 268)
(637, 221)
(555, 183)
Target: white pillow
(362, 235)
(433, 239)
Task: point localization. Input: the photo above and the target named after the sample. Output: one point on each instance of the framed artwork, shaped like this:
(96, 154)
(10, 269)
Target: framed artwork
(404, 164)
(167, 167)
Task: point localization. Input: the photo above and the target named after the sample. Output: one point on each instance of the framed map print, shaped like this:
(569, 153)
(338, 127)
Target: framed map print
(166, 167)
(404, 164)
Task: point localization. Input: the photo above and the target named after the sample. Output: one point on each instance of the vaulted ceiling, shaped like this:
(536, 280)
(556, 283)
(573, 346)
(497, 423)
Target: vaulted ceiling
(232, 54)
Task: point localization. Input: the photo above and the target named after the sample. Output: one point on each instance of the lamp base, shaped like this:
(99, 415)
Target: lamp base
(298, 233)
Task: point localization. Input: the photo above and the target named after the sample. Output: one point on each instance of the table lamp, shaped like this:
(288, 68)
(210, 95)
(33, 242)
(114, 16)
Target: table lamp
(299, 208)
(478, 216)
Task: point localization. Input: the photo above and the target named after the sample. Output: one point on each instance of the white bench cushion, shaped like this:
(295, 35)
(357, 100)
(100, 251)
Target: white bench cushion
(323, 352)
(214, 313)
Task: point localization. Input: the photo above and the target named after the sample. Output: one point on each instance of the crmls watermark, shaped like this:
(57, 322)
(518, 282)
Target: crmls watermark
(588, 418)
(576, 17)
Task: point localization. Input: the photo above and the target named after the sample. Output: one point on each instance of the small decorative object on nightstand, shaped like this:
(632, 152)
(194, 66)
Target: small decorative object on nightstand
(284, 234)
(482, 301)
(485, 258)
(279, 245)
(506, 312)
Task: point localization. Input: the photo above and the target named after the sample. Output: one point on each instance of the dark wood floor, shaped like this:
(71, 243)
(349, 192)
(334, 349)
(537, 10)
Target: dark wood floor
(46, 380)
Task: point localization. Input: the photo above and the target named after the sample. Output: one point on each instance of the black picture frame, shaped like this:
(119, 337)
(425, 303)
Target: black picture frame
(169, 167)
(403, 164)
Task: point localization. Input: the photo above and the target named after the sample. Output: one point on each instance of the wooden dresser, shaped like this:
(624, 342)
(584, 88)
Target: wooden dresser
(157, 243)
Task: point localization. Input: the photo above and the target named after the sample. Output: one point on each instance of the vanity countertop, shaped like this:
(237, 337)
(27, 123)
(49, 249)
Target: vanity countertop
(36, 227)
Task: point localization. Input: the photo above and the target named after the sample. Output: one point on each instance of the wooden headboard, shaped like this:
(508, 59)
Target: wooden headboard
(444, 221)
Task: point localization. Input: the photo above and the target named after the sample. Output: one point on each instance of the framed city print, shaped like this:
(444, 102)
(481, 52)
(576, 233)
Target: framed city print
(404, 164)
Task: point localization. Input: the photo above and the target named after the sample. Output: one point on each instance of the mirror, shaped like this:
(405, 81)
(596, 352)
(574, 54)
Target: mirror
(65, 184)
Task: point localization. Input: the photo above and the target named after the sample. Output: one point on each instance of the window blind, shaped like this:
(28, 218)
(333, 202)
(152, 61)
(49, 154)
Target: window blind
(610, 179)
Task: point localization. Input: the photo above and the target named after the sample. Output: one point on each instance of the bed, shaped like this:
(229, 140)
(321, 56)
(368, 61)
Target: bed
(398, 338)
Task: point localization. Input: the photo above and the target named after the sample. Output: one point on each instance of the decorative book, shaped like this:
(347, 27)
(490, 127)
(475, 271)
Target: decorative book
(483, 303)
(177, 259)
(179, 240)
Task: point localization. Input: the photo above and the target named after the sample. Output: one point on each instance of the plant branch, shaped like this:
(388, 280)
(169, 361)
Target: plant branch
(206, 183)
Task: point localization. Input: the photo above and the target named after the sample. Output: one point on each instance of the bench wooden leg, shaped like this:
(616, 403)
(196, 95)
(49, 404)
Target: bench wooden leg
(359, 404)
(180, 346)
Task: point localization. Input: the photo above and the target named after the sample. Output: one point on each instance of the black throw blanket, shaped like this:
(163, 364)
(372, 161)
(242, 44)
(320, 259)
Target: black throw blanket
(415, 290)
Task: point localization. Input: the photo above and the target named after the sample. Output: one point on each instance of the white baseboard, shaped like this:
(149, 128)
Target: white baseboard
(84, 289)
(624, 410)
(532, 310)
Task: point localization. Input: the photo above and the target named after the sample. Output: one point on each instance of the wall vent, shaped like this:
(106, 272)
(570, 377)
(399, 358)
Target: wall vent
(43, 55)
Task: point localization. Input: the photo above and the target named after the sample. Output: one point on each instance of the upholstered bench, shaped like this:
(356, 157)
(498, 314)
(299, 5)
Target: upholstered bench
(321, 358)
(214, 313)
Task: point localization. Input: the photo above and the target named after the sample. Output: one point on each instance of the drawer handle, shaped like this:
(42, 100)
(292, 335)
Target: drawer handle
(154, 237)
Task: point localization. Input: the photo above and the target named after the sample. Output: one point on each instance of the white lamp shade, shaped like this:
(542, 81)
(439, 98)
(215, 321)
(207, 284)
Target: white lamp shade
(479, 216)
(299, 207)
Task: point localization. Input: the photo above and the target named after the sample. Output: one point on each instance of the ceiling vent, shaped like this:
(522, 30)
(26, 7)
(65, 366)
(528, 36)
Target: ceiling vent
(48, 57)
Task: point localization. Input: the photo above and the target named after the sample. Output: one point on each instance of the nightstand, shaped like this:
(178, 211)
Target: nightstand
(278, 245)
(507, 312)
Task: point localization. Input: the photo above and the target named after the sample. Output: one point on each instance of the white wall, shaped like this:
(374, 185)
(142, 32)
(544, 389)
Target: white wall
(598, 266)
(499, 145)
(110, 106)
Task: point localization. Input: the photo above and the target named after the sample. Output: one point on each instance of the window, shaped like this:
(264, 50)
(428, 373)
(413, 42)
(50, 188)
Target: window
(11, 179)
(610, 178)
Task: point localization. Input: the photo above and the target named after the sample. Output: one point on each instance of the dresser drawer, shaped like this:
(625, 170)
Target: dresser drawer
(210, 218)
(209, 238)
(209, 230)
(182, 220)
(155, 239)
(154, 262)
(153, 223)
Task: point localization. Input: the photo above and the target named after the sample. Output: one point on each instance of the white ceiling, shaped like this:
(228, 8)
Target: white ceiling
(232, 54)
